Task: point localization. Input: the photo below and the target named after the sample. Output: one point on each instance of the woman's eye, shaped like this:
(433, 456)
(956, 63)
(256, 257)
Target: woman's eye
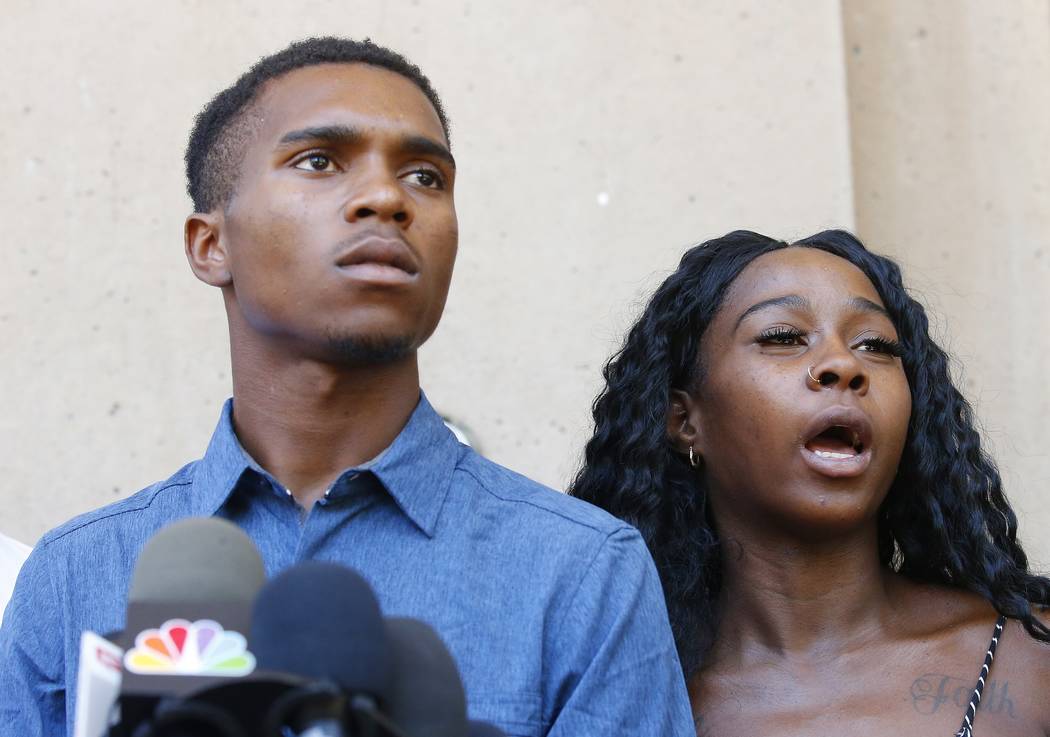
(782, 336)
(427, 178)
(315, 162)
(881, 345)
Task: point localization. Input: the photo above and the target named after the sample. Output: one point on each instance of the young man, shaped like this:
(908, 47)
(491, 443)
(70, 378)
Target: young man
(322, 183)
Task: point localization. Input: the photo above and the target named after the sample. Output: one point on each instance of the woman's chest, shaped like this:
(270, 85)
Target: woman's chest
(878, 700)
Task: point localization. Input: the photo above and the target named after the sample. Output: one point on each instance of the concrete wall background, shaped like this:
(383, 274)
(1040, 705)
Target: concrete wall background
(595, 142)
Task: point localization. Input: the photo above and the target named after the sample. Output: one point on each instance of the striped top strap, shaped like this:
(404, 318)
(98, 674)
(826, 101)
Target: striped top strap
(966, 730)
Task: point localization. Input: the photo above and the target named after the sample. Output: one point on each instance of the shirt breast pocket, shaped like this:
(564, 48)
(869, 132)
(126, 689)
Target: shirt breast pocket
(516, 714)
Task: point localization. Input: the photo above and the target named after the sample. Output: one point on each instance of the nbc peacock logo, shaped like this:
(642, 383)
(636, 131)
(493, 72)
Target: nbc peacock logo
(183, 648)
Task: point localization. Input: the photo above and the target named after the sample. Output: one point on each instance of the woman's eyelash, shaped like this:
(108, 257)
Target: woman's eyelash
(883, 345)
(780, 334)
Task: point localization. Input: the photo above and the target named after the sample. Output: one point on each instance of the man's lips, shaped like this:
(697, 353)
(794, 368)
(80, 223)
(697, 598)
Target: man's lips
(837, 442)
(378, 259)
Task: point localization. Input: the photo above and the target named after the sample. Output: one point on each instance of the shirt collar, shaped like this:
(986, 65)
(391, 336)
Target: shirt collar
(216, 475)
(416, 469)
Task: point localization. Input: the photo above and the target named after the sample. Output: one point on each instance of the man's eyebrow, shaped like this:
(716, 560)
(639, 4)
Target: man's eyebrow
(331, 134)
(345, 135)
(861, 304)
(423, 146)
(788, 300)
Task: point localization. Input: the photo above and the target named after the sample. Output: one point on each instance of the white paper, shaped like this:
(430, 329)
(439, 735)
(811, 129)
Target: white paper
(98, 685)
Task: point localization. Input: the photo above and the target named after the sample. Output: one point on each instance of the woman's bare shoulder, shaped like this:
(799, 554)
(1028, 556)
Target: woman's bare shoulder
(1022, 667)
(929, 610)
(1031, 653)
(964, 624)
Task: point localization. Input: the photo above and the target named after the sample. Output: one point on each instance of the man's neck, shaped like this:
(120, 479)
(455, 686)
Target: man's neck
(305, 422)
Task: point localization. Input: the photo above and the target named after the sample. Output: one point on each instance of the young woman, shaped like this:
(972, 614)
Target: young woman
(836, 549)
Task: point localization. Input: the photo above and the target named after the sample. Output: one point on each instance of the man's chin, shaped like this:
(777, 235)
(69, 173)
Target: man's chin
(369, 350)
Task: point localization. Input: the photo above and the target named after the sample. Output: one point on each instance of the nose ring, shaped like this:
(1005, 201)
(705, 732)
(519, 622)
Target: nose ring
(814, 379)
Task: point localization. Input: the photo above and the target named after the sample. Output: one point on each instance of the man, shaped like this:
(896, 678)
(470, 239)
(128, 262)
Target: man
(322, 183)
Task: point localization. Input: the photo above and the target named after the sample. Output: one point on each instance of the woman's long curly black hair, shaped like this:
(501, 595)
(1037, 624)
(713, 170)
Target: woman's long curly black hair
(945, 519)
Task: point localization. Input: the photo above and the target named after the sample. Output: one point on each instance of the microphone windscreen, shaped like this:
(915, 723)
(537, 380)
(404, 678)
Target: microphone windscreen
(321, 620)
(189, 609)
(484, 729)
(200, 559)
(426, 698)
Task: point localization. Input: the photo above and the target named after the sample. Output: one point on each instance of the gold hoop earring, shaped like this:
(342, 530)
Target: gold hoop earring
(809, 373)
(694, 459)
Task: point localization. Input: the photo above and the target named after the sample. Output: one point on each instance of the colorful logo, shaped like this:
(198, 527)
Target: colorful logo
(182, 648)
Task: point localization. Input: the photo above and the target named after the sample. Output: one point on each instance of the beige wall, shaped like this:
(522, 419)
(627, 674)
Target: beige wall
(595, 142)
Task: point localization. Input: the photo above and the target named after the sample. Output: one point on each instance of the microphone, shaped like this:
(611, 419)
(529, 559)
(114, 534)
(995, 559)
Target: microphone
(321, 622)
(427, 697)
(198, 559)
(189, 607)
(484, 729)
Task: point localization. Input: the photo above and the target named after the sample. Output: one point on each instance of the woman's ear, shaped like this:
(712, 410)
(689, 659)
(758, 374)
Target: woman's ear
(683, 422)
(206, 249)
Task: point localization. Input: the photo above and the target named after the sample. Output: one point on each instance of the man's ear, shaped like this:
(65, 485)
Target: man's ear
(683, 422)
(206, 249)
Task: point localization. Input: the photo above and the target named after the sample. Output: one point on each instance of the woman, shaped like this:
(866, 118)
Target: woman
(835, 547)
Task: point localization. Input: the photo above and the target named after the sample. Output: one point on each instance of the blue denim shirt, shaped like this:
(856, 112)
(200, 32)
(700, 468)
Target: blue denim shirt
(552, 608)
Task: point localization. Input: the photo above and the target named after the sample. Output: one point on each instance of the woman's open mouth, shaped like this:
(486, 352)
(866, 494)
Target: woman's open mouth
(838, 443)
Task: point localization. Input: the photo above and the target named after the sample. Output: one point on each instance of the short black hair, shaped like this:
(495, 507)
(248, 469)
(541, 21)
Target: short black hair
(223, 127)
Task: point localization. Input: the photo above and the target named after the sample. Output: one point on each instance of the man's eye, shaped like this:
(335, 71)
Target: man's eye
(427, 178)
(315, 162)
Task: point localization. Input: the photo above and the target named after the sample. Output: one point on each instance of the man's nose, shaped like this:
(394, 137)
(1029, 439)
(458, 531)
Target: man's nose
(379, 193)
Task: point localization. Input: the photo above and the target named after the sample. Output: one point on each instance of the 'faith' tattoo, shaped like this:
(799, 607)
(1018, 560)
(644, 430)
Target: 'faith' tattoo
(931, 691)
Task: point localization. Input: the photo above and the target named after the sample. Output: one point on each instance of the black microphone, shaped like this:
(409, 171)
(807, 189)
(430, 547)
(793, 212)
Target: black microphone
(484, 729)
(189, 608)
(321, 623)
(427, 697)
